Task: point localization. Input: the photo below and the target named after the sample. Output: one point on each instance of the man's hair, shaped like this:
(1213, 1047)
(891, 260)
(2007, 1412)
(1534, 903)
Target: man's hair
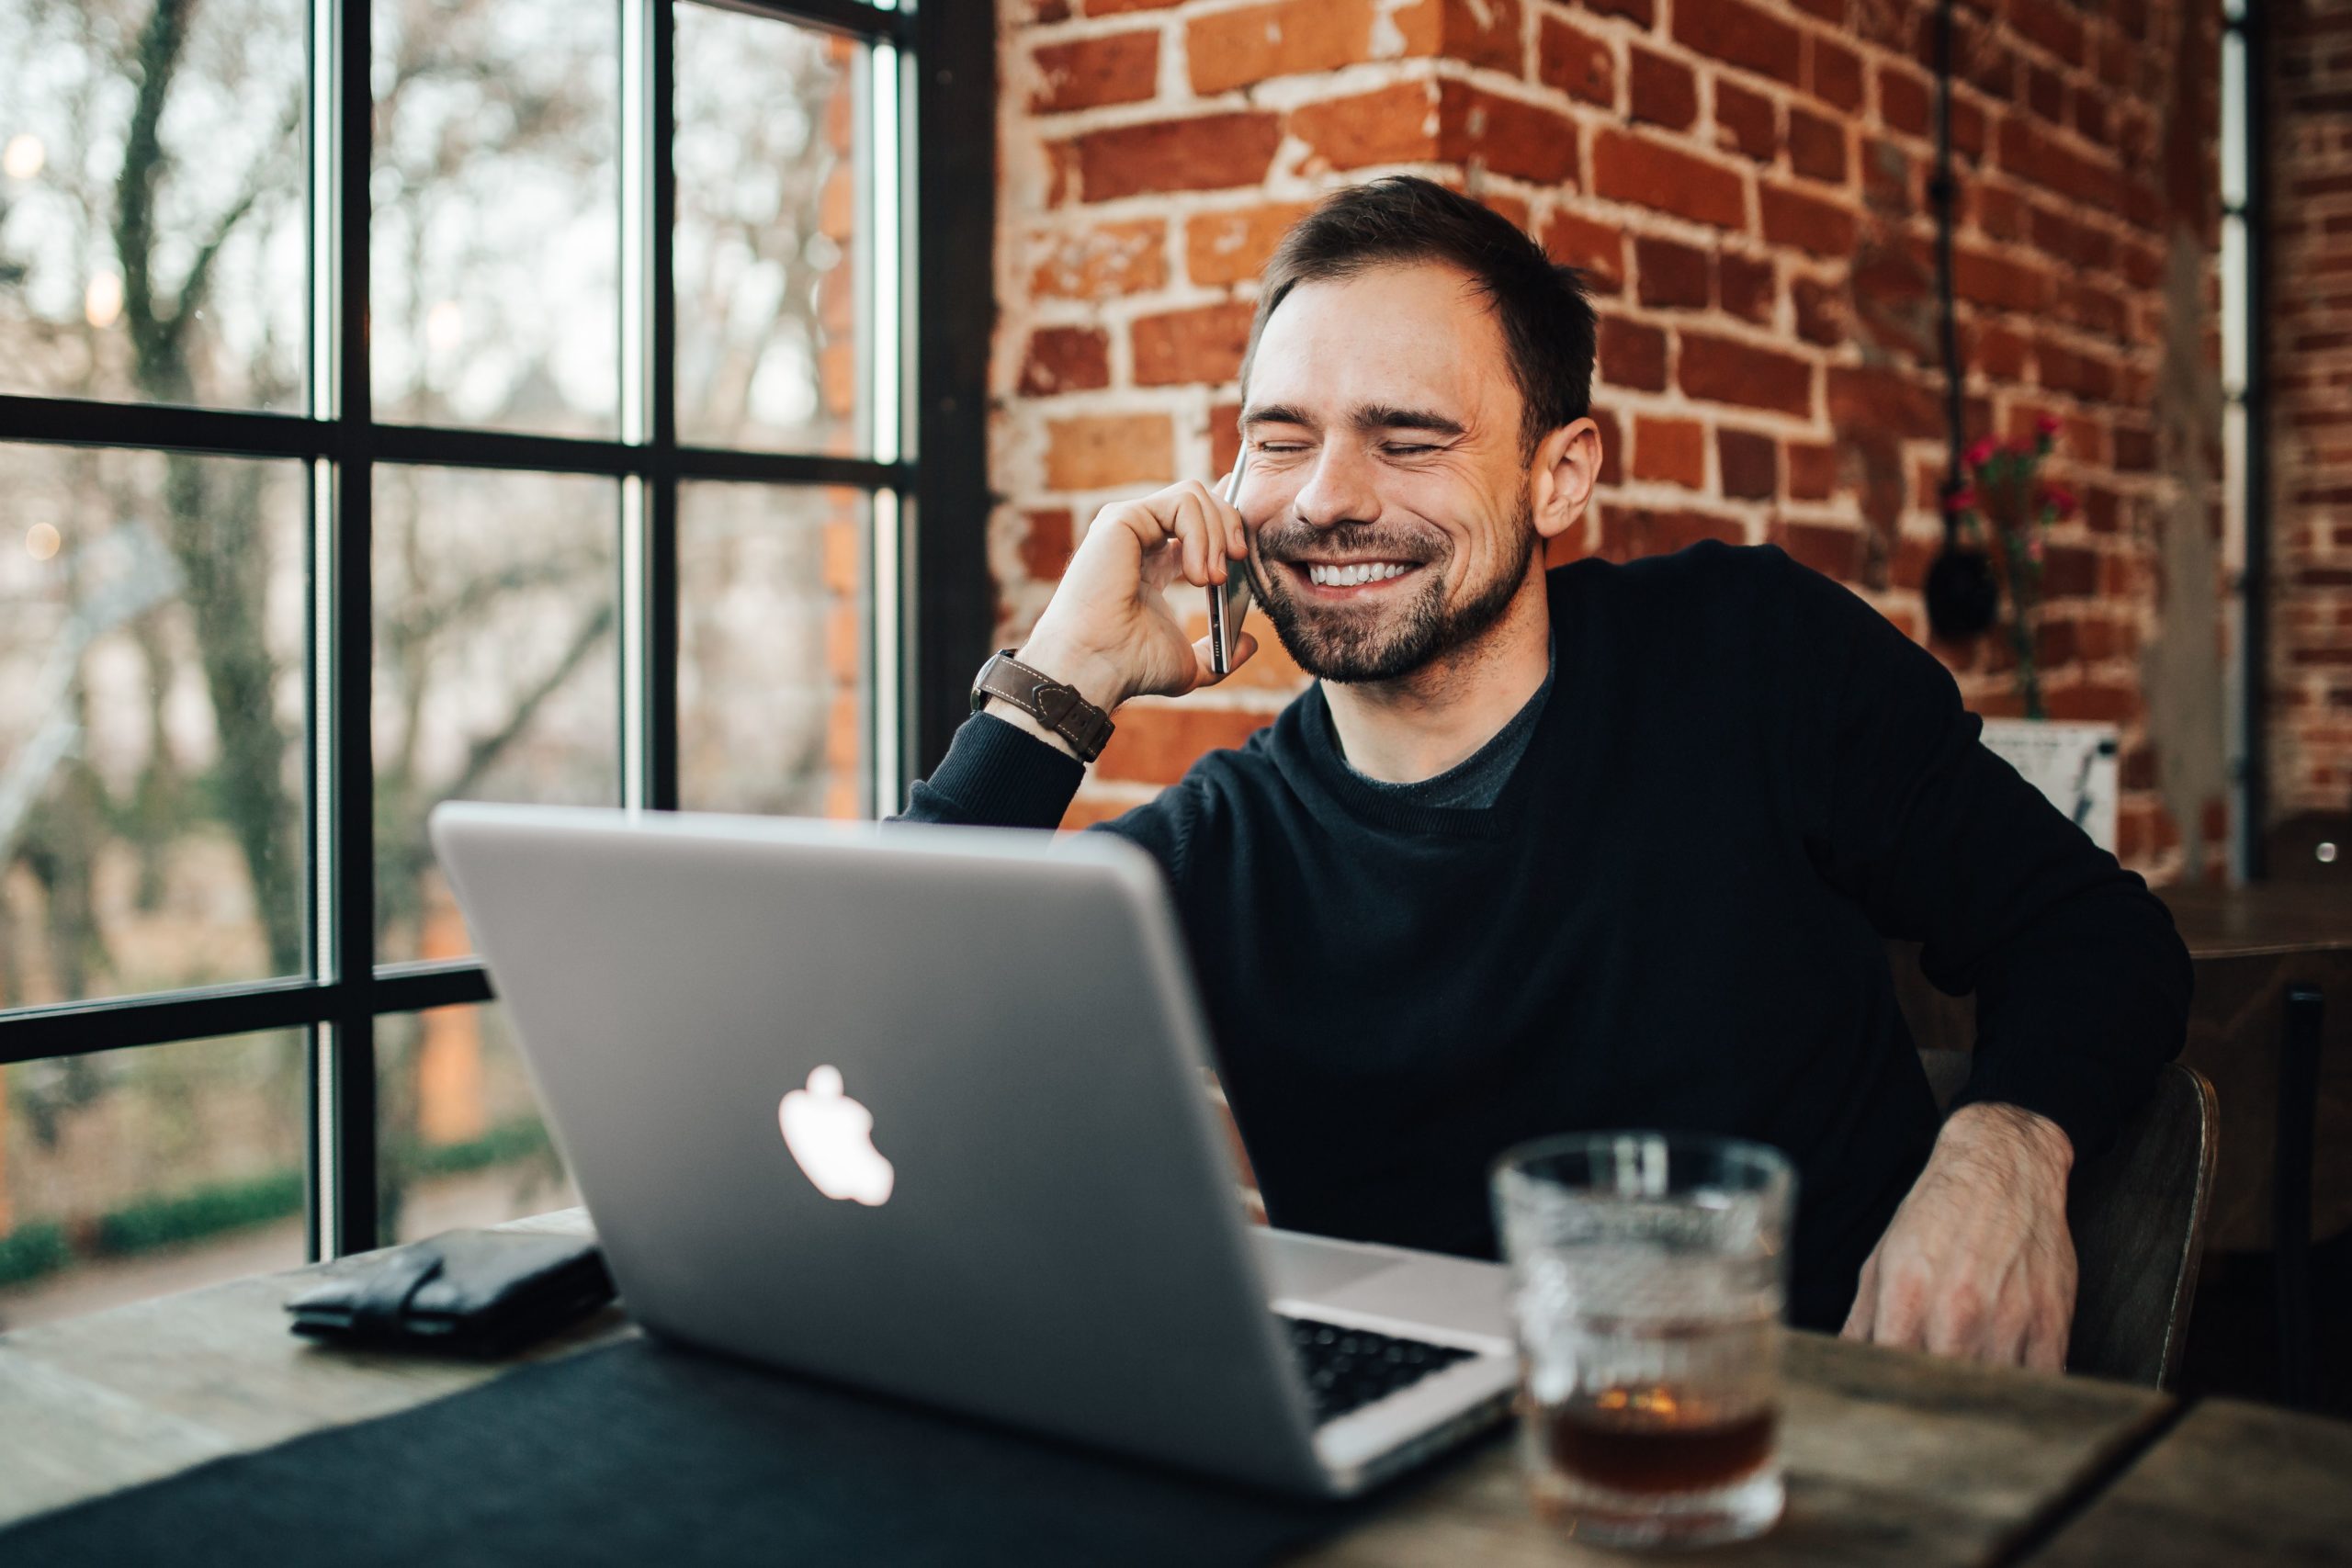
(1403, 220)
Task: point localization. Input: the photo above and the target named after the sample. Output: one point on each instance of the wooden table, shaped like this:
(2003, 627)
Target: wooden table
(1894, 1459)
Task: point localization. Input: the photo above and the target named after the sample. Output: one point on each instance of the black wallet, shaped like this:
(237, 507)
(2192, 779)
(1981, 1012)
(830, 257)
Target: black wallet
(471, 1292)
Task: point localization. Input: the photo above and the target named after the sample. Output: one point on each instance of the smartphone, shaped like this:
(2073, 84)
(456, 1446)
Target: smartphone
(1229, 600)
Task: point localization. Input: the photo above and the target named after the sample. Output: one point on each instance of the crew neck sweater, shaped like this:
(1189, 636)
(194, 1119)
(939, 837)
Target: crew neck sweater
(1673, 916)
(1476, 780)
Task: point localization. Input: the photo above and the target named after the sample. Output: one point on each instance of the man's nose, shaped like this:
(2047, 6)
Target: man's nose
(1338, 489)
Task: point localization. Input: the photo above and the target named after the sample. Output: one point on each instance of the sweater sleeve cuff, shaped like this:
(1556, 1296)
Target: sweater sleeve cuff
(2080, 1099)
(998, 775)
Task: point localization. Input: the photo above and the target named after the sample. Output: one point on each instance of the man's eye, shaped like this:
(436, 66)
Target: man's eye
(1279, 449)
(1400, 449)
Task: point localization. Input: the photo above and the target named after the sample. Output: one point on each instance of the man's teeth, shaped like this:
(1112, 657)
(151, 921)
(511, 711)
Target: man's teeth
(1349, 576)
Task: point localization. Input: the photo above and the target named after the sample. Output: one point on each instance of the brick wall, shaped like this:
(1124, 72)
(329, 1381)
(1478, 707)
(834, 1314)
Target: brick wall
(2311, 346)
(1744, 181)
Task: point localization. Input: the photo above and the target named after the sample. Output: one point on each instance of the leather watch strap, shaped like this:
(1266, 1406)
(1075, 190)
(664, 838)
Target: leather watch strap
(1051, 702)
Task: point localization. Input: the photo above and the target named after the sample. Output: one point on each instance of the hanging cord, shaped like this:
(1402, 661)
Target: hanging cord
(1961, 593)
(1944, 192)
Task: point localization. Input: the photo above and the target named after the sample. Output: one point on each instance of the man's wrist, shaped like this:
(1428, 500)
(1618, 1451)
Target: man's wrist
(1995, 1129)
(1096, 679)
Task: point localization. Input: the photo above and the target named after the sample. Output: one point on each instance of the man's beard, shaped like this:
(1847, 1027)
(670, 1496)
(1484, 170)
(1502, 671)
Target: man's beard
(1352, 643)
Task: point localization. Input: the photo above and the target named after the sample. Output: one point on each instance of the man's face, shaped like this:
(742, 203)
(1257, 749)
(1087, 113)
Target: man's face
(1387, 485)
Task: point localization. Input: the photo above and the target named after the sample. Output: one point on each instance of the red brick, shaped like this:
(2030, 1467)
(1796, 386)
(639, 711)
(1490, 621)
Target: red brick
(1832, 73)
(1905, 101)
(1745, 122)
(1627, 532)
(1673, 451)
(1597, 250)
(1792, 217)
(1632, 355)
(2000, 352)
(1207, 151)
(1833, 551)
(1642, 11)
(1101, 262)
(2045, 94)
(1670, 274)
(1286, 38)
(1823, 313)
(1233, 247)
(1099, 451)
(1065, 359)
(1987, 279)
(1740, 34)
(1812, 471)
(1117, 68)
(1613, 447)
(1880, 397)
(1505, 135)
(1396, 124)
(1183, 347)
(1045, 546)
(1816, 146)
(1726, 370)
(1664, 92)
(1889, 181)
(1749, 463)
(2050, 24)
(1225, 437)
(1482, 33)
(1633, 168)
(2031, 154)
(1156, 745)
(1745, 287)
(1572, 59)
(2065, 369)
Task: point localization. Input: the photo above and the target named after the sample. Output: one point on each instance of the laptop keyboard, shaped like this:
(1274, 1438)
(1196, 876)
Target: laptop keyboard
(1347, 1369)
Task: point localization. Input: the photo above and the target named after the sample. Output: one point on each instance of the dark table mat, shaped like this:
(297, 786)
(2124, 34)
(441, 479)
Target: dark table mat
(639, 1453)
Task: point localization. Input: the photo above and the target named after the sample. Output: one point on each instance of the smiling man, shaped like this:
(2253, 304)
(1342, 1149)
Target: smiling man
(1607, 845)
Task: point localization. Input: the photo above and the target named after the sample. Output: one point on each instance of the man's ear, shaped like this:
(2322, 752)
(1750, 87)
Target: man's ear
(1567, 465)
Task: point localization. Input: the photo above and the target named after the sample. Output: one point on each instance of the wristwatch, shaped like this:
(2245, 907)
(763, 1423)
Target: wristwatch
(1052, 703)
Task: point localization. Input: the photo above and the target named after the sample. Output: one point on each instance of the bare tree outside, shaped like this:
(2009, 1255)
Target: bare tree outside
(151, 605)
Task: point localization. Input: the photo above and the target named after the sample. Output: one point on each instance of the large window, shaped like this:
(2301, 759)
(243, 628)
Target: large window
(404, 400)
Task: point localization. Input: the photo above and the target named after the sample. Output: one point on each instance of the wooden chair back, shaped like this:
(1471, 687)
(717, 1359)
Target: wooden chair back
(2137, 1213)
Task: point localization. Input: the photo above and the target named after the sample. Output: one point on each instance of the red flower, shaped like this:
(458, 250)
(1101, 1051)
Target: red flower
(2045, 424)
(1960, 499)
(2059, 499)
(1977, 455)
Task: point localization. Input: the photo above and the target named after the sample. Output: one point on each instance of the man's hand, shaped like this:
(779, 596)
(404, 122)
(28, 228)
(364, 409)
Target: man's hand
(1978, 1262)
(1109, 629)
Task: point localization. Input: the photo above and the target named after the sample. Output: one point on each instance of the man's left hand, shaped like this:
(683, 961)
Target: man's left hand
(1978, 1262)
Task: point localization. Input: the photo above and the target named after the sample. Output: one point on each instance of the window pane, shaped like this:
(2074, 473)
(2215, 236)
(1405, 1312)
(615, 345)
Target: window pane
(152, 623)
(496, 674)
(128, 1174)
(496, 196)
(167, 269)
(773, 670)
(459, 1135)
(771, 314)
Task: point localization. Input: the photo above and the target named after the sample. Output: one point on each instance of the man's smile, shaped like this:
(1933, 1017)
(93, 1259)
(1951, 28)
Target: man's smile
(1348, 578)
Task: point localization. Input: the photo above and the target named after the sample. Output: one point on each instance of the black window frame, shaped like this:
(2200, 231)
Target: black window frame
(946, 181)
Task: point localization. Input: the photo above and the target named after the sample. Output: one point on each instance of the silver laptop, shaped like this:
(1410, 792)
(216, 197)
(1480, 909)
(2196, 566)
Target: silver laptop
(923, 1110)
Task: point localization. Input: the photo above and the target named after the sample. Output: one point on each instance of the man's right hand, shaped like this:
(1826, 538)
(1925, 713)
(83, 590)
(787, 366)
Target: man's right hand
(1109, 629)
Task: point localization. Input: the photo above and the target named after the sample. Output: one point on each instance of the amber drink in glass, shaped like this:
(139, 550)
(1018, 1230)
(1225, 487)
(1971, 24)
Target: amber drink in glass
(1648, 1281)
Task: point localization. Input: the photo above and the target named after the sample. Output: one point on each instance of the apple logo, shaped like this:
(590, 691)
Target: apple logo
(832, 1138)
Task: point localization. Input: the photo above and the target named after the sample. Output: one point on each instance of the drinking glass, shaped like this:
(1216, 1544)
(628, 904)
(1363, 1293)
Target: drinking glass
(1648, 1279)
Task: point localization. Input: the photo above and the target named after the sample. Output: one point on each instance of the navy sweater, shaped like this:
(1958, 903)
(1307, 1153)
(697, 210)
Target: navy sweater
(1672, 916)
